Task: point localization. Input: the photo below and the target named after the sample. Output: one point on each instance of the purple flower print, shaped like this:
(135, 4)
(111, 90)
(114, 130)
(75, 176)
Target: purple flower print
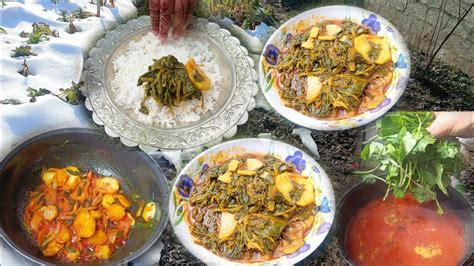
(271, 54)
(297, 160)
(184, 185)
(372, 23)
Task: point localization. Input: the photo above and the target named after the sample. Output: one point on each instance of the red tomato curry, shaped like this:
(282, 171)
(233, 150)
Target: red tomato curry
(404, 232)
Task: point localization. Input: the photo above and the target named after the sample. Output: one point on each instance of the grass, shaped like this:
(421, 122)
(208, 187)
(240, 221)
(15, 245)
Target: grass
(24, 50)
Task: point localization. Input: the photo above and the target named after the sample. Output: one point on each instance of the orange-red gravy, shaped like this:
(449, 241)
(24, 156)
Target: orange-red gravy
(404, 232)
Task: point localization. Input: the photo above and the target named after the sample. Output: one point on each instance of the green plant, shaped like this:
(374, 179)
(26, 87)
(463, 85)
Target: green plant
(24, 50)
(71, 95)
(63, 16)
(408, 159)
(81, 13)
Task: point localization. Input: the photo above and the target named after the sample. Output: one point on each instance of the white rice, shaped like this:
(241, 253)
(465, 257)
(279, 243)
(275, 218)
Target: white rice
(129, 66)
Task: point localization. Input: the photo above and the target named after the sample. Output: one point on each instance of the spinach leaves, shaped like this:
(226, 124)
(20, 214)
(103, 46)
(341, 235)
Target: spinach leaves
(408, 159)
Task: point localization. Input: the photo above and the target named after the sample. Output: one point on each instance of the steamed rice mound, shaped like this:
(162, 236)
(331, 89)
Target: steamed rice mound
(129, 66)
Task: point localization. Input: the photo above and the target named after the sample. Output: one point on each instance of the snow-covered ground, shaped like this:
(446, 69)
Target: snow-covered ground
(58, 62)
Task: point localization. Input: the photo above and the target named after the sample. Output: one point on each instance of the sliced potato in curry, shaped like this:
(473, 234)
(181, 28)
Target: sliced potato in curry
(227, 226)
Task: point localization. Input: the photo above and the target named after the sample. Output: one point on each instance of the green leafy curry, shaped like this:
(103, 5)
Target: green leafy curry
(252, 208)
(335, 69)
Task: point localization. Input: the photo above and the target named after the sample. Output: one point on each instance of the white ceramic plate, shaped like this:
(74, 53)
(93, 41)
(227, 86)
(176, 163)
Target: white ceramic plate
(376, 23)
(324, 196)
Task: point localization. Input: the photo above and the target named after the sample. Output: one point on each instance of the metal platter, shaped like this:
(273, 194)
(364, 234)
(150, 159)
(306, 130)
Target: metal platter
(235, 99)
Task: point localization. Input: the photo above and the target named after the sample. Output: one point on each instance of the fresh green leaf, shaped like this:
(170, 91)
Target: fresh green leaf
(398, 192)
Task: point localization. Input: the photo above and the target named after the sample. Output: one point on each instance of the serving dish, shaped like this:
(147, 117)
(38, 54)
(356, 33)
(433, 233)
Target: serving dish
(87, 149)
(236, 92)
(361, 194)
(378, 25)
(179, 201)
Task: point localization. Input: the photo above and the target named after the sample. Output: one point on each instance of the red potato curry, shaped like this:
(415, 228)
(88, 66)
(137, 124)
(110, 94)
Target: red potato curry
(333, 70)
(80, 217)
(404, 232)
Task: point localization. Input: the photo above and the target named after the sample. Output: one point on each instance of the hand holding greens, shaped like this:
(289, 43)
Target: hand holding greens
(408, 159)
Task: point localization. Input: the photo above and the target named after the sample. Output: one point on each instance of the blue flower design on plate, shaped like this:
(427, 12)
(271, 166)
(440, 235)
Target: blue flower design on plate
(297, 160)
(324, 207)
(389, 29)
(302, 249)
(184, 185)
(316, 169)
(204, 168)
(323, 228)
(401, 62)
(288, 38)
(372, 23)
(271, 54)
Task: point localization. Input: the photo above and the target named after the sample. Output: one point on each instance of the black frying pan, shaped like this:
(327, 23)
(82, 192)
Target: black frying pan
(88, 150)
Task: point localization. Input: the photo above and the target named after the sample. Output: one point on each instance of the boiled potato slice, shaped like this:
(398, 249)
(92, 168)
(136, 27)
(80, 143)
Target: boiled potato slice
(314, 87)
(36, 220)
(227, 226)
(233, 165)
(84, 224)
(131, 218)
(107, 201)
(123, 200)
(313, 33)
(253, 164)
(50, 212)
(72, 182)
(107, 185)
(48, 176)
(63, 235)
(308, 44)
(284, 185)
(307, 197)
(52, 248)
(246, 172)
(293, 246)
(149, 211)
(115, 212)
(362, 45)
(326, 38)
(61, 177)
(197, 76)
(226, 177)
(103, 252)
(99, 238)
(72, 253)
(333, 29)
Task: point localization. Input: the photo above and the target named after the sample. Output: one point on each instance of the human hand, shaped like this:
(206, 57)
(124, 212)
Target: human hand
(166, 14)
(454, 124)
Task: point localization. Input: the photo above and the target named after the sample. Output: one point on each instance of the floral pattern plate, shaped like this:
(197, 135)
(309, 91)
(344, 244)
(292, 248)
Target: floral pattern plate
(324, 196)
(377, 24)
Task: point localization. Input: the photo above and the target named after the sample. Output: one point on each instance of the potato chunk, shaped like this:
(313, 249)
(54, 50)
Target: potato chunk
(36, 220)
(293, 246)
(227, 226)
(115, 212)
(123, 200)
(52, 248)
(149, 211)
(307, 197)
(72, 182)
(246, 172)
(84, 224)
(364, 43)
(333, 29)
(99, 238)
(233, 165)
(284, 185)
(313, 89)
(308, 44)
(313, 33)
(50, 212)
(107, 201)
(107, 185)
(103, 252)
(72, 253)
(253, 164)
(63, 235)
(226, 177)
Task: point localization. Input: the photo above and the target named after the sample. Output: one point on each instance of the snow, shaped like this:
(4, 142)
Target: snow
(59, 61)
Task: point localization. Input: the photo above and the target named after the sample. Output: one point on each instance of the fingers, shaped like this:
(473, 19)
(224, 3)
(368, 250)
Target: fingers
(188, 13)
(180, 9)
(154, 6)
(166, 12)
(438, 129)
